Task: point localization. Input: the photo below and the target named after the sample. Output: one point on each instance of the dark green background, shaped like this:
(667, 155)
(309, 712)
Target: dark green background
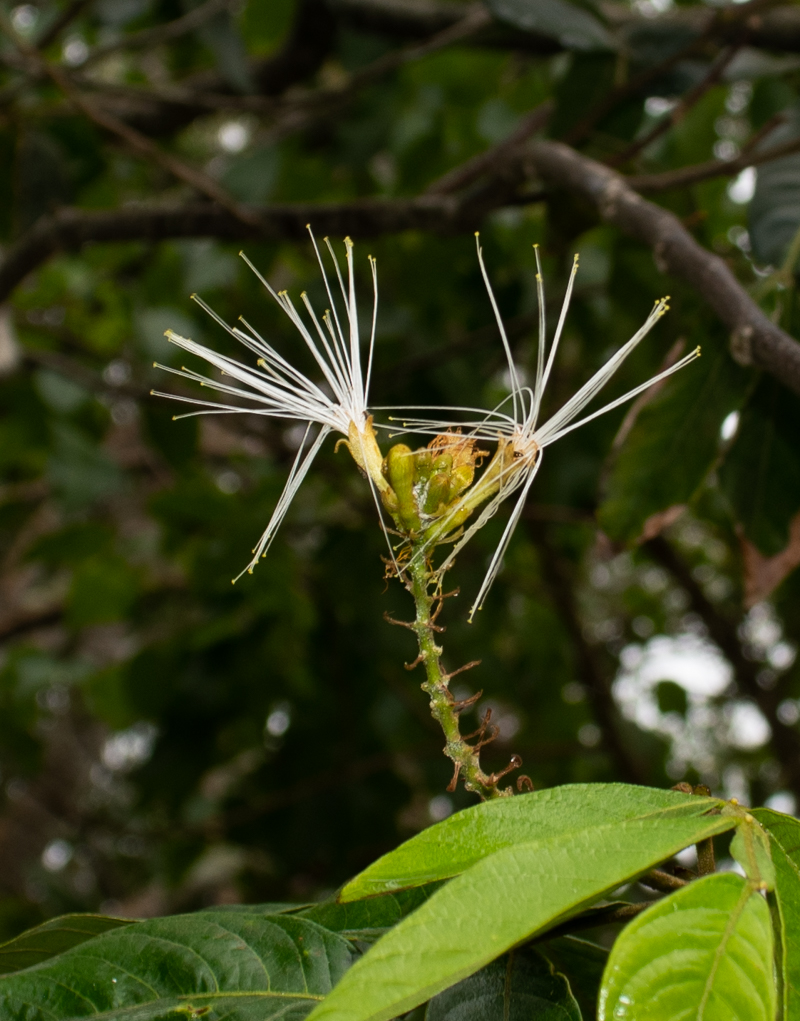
(138, 771)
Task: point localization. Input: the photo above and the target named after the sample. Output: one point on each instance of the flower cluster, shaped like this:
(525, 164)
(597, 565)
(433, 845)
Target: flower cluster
(430, 493)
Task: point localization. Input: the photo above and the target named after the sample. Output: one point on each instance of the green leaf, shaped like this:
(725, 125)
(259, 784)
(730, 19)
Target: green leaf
(511, 895)
(672, 445)
(52, 938)
(583, 962)
(750, 847)
(517, 987)
(774, 211)
(367, 920)
(573, 27)
(784, 837)
(236, 965)
(457, 843)
(703, 952)
(761, 473)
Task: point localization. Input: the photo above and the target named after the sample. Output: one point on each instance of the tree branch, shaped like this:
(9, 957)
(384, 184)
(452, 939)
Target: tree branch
(308, 44)
(684, 176)
(755, 340)
(159, 34)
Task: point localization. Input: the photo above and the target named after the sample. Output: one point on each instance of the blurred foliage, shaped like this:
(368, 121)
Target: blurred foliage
(170, 741)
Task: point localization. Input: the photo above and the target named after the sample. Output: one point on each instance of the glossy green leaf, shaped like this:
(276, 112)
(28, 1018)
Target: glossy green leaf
(509, 896)
(774, 211)
(52, 938)
(672, 445)
(215, 964)
(761, 473)
(367, 920)
(518, 986)
(463, 839)
(750, 847)
(784, 837)
(574, 27)
(583, 962)
(703, 952)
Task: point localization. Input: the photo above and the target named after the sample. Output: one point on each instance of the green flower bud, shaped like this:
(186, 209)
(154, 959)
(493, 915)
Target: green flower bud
(399, 468)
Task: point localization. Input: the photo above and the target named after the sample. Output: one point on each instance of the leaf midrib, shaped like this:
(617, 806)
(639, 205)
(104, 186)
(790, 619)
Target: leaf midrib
(420, 878)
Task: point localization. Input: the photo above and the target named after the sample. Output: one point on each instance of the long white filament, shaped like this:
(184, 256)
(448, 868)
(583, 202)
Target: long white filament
(279, 390)
(520, 428)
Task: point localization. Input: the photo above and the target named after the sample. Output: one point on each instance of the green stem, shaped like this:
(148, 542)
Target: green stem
(444, 709)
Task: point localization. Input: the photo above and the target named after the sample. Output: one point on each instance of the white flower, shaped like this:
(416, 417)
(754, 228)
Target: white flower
(521, 438)
(275, 388)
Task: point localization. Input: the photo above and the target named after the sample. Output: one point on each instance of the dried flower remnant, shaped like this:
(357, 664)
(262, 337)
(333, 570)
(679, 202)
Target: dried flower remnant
(277, 389)
(519, 437)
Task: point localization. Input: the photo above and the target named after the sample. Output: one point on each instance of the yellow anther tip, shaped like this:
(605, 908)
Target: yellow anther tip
(749, 818)
(734, 801)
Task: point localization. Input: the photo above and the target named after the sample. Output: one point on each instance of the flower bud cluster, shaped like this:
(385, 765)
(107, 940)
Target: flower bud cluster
(425, 484)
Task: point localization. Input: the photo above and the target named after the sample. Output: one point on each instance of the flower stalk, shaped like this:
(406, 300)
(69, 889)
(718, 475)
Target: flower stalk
(425, 587)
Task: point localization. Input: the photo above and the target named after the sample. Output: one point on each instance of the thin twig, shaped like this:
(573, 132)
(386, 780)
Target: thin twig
(139, 142)
(54, 30)
(684, 176)
(676, 115)
(490, 160)
(159, 34)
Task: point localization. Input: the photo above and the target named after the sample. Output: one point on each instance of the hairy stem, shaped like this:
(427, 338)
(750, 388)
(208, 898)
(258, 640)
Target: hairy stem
(444, 708)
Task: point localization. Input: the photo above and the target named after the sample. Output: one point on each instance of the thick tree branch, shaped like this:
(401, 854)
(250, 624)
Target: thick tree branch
(722, 631)
(755, 340)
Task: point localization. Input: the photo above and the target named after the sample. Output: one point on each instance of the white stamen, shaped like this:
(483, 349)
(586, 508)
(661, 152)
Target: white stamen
(520, 429)
(276, 389)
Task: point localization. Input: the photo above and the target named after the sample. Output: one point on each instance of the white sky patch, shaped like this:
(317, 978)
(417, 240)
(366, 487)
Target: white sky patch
(129, 748)
(699, 668)
(782, 801)
(743, 186)
(233, 136)
(729, 426)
